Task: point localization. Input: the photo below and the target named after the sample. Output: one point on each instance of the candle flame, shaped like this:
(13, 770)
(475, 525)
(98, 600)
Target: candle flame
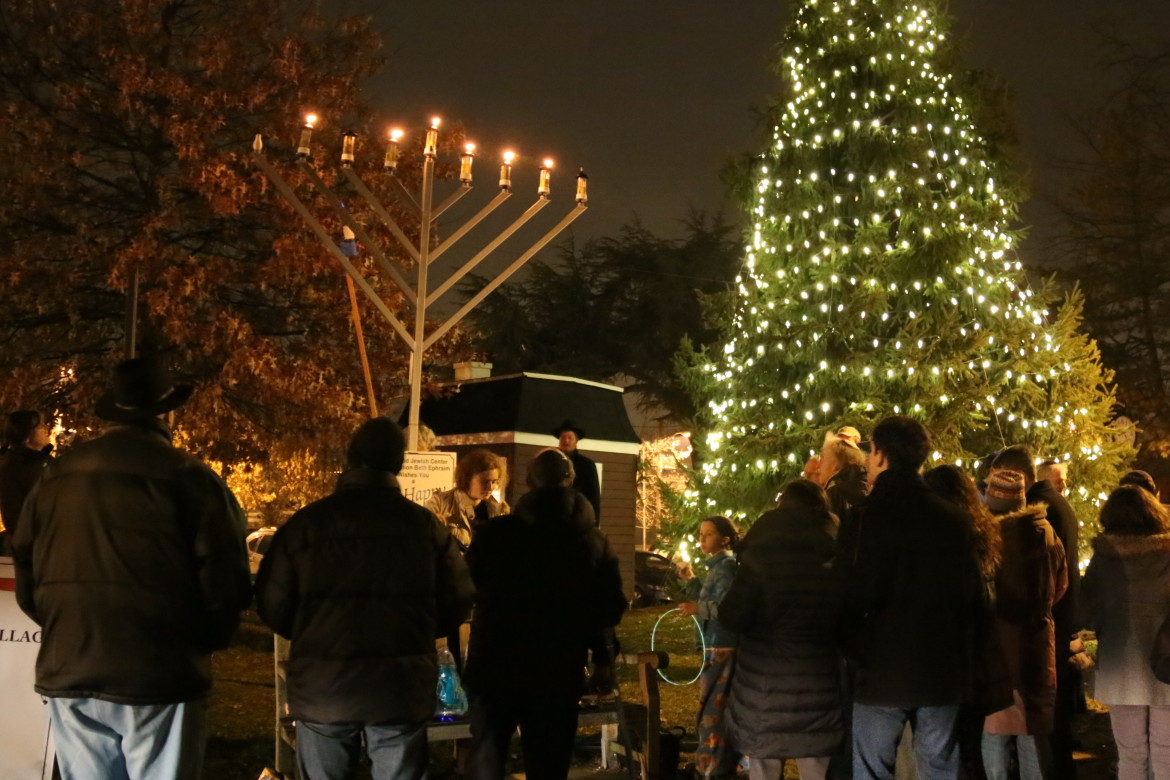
(469, 147)
(395, 135)
(435, 121)
(310, 120)
(548, 163)
(509, 156)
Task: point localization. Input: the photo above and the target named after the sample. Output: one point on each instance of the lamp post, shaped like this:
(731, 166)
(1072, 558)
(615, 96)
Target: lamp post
(419, 295)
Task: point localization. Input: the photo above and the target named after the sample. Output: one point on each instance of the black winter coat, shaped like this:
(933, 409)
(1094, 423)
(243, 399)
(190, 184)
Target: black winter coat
(130, 554)
(362, 582)
(914, 596)
(586, 482)
(547, 584)
(785, 603)
(1062, 518)
(20, 468)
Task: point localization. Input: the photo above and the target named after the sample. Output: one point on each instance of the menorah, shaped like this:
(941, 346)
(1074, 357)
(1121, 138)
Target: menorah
(421, 251)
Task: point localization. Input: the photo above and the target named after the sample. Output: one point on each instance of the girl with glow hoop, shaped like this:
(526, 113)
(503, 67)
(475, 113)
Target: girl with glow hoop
(717, 535)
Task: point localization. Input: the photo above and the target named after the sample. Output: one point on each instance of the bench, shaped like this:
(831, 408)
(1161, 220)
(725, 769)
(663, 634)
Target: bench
(641, 723)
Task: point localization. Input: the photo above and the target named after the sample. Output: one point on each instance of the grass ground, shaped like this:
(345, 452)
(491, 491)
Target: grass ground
(242, 712)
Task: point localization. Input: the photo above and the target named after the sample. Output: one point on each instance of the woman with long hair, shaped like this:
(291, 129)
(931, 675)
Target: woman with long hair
(989, 687)
(1125, 597)
(1032, 577)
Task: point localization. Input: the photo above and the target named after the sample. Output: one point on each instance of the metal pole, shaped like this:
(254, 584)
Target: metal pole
(361, 340)
(331, 247)
(132, 315)
(420, 308)
(503, 277)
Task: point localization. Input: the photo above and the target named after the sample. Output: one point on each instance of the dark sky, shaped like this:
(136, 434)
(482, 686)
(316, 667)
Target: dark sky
(652, 96)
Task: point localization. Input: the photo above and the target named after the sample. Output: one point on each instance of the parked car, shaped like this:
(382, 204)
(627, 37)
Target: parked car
(258, 543)
(656, 579)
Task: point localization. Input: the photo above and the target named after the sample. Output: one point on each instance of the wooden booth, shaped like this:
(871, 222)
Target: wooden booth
(514, 416)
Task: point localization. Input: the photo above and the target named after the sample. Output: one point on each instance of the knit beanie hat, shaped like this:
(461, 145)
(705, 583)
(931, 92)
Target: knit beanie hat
(1005, 491)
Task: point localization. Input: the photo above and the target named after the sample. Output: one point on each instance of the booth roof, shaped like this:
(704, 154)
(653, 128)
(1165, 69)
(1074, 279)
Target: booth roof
(529, 403)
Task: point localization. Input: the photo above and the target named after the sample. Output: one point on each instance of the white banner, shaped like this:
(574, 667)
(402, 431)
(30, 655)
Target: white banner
(426, 473)
(25, 750)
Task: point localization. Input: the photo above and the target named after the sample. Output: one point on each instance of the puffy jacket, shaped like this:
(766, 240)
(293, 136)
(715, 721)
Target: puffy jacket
(362, 582)
(1031, 578)
(1126, 598)
(130, 554)
(914, 596)
(547, 585)
(785, 603)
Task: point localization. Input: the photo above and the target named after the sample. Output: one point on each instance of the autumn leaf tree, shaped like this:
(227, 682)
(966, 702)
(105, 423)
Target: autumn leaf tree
(125, 130)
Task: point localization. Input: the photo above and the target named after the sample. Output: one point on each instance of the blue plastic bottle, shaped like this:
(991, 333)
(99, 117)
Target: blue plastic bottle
(451, 701)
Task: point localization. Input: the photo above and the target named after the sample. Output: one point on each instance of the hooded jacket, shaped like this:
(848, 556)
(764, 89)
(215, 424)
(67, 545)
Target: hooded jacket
(1031, 578)
(362, 582)
(130, 554)
(1126, 596)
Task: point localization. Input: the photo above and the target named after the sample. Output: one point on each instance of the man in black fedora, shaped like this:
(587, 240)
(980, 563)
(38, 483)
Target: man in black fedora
(130, 554)
(585, 469)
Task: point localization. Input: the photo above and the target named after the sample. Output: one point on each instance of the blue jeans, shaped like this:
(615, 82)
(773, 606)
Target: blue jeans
(878, 730)
(1033, 752)
(331, 751)
(101, 739)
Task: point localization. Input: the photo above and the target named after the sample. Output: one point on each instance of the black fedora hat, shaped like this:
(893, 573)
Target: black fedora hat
(142, 388)
(567, 425)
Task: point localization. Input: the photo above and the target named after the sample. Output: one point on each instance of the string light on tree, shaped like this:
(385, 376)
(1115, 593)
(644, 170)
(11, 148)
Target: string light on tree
(881, 274)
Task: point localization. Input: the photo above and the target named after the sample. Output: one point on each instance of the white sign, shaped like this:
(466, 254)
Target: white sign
(426, 473)
(25, 750)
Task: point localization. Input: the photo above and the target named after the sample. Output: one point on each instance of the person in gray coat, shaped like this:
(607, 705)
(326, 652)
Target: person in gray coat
(785, 603)
(1126, 596)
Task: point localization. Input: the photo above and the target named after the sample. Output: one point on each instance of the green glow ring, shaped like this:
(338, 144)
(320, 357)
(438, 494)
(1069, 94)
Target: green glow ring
(702, 641)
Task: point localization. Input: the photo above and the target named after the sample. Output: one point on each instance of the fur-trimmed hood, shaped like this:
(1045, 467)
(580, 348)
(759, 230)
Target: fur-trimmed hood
(1032, 513)
(1127, 545)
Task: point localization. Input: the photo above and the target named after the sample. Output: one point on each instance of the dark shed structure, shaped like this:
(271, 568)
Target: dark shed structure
(514, 416)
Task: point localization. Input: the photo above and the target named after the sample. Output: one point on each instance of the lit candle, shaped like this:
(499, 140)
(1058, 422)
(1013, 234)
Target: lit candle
(390, 161)
(465, 163)
(543, 188)
(347, 142)
(432, 138)
(582, 183)
(506, 171)
(306, 136)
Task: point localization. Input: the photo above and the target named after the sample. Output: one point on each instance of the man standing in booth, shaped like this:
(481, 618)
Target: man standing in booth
(586, 481)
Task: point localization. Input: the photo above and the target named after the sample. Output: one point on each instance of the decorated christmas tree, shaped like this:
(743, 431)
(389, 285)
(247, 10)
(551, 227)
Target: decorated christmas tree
(881, 276)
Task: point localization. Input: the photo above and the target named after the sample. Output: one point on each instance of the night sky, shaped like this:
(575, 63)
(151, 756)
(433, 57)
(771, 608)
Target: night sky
(653, 96)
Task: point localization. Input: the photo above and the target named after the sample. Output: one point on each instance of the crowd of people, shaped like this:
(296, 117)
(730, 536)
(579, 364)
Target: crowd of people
(130, 555)
(881, 596)
(878, 597)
